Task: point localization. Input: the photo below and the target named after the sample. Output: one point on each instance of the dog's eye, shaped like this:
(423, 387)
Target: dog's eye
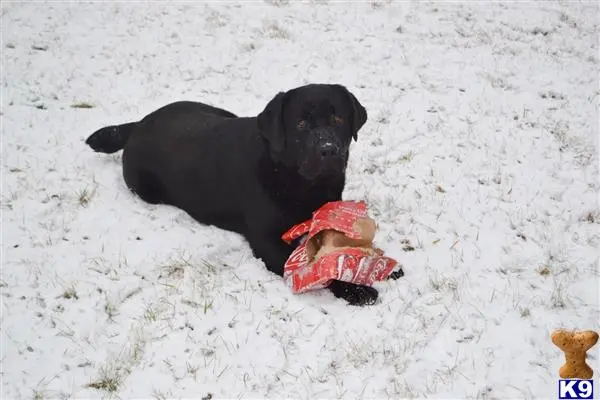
(335, 120)
(302, 125)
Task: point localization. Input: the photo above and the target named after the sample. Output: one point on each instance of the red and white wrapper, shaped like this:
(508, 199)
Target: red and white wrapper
(347, 264)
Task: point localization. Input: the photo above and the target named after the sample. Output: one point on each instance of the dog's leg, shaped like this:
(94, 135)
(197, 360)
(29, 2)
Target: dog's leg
(355, 295)
(274, 253)
(150, 188)
(397, 274)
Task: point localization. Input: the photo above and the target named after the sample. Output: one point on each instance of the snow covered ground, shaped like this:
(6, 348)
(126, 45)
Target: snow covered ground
(479, 162)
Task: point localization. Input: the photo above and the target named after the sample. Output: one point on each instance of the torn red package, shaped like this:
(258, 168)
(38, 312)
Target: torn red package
(337, 243)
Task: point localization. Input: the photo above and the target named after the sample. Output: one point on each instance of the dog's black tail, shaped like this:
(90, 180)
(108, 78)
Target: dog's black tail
(110, 139)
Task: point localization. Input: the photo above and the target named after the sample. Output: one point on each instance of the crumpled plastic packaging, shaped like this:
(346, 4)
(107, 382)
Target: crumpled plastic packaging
(349, 264)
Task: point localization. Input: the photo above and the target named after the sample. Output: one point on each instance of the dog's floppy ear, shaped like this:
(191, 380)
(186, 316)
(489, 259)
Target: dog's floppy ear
(359, 114)
(270, 122)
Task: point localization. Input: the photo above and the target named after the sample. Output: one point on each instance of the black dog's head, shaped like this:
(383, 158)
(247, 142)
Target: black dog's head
(309, 128)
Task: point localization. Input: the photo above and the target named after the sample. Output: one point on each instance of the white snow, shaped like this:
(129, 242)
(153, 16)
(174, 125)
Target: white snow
(480, 152)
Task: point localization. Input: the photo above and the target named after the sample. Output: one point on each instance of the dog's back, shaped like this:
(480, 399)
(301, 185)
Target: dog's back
(113, 138)
(164, 140)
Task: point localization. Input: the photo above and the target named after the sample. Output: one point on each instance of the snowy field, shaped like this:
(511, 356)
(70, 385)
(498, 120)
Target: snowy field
(479, 163)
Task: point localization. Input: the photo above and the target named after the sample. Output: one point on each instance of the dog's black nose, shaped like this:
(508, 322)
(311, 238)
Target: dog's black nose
(328, 150)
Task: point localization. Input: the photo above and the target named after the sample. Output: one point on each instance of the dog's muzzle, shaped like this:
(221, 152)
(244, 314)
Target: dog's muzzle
(326, 156)
(328, 150)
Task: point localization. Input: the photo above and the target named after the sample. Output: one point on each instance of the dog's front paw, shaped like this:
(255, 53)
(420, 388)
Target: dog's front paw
(355, 295)
(397, 274)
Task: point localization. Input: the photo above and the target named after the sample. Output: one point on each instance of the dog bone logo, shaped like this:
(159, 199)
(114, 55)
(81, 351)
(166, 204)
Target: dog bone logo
(575, 344)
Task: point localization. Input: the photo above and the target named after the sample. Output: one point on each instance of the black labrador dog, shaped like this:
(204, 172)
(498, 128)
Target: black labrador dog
(255, 176)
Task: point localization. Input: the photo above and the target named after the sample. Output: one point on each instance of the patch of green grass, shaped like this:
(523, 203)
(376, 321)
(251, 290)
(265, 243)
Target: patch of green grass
(407, 157)
(82, 104)
(84, 197)
(110, 380)
(70, 293)
(110, 309)
(558, 297)
(150, 314)
(544, 270)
